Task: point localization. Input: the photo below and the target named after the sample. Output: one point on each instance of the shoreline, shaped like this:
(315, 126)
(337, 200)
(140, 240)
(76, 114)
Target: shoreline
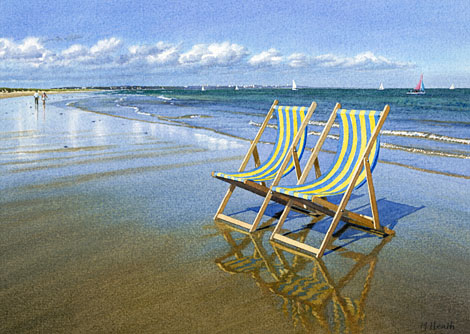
(183, 124)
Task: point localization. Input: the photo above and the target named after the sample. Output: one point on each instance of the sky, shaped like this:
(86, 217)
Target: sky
(319, 43)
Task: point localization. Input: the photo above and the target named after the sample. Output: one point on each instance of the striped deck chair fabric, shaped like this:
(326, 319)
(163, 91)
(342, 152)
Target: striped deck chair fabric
(356, 127)
(289, 122)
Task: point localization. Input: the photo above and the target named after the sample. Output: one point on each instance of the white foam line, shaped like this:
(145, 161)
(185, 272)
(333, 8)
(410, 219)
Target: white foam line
(162, 97)
(423, 151)
(426, 135)
(397, 133)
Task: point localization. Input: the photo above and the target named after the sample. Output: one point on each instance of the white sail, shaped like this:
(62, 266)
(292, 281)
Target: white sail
(236, 88)
(202, 88)
(452, 86)
(381, 87)
(294, 86)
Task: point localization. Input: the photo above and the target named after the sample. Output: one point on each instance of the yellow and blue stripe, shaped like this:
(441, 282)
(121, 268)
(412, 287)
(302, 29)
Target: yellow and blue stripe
(307, 289)
(356, 127)
(289, 122)
(245, 264)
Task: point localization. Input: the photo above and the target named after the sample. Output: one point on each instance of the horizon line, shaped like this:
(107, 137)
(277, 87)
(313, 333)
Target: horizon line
(245, 86)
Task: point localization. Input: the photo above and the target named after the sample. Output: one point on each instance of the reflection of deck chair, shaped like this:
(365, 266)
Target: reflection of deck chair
(258, 262)
(238, 262)
(290, 143)
(356, 157)
(309, 294)
(303, 282)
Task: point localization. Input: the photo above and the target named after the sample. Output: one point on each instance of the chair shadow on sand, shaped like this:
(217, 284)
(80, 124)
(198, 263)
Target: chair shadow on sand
(390, 213)
(312, 295)
(274, 210)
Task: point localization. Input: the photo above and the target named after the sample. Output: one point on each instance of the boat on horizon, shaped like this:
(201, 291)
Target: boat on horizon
(236, 88)
(294, 86)
(452, 87)
(202, 88)
(381, 87)
(419, 89)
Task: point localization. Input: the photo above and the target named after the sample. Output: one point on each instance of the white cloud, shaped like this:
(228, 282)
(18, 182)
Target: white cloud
(5, 47)
(75, 51)
(112, 53)
(105, 46)
(328, 60)
(160, 53)
(271, 57)
(298, 60)
(221, 54)
(103, 52)
(363, 61)
(165, 57)
(30, 50)
(194, 55)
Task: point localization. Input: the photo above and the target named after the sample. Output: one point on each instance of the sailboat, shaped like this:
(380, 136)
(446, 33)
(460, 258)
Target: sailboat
(419, 89)
(294, 86)
(381, 87)
(236, 88)
(452, 86)
(202, 88)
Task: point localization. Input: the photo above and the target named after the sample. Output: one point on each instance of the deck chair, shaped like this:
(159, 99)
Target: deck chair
(291, 141)
(356, 157)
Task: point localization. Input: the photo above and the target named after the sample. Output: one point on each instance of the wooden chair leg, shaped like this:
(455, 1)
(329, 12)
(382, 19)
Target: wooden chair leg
(261, 211)
(257, 161)
(330, 232)
(338, 215)
(224, 202)
(372, 199)
(298, 170)
(282, 219)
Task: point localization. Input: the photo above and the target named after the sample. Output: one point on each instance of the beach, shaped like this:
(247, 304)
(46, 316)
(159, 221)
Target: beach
(18, 93)
(106, 225)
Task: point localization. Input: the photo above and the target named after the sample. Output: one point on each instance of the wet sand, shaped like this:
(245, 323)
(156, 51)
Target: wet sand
(106, 226)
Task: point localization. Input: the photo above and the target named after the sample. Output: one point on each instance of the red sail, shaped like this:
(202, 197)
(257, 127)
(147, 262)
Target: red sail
(418, 87)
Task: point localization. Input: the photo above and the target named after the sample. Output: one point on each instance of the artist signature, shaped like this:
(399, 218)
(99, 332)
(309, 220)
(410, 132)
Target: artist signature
(436, 327)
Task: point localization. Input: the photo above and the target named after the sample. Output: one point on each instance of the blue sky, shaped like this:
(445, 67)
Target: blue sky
(318, 43)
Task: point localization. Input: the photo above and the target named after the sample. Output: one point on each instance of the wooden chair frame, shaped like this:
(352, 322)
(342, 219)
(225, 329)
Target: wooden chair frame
(338, 212)
(262, 189)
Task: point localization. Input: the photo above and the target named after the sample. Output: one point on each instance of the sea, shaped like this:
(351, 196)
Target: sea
(429, 133)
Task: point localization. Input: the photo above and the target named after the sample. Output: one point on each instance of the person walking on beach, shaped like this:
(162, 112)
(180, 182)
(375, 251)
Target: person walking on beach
(36, 99)
(44, 97)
